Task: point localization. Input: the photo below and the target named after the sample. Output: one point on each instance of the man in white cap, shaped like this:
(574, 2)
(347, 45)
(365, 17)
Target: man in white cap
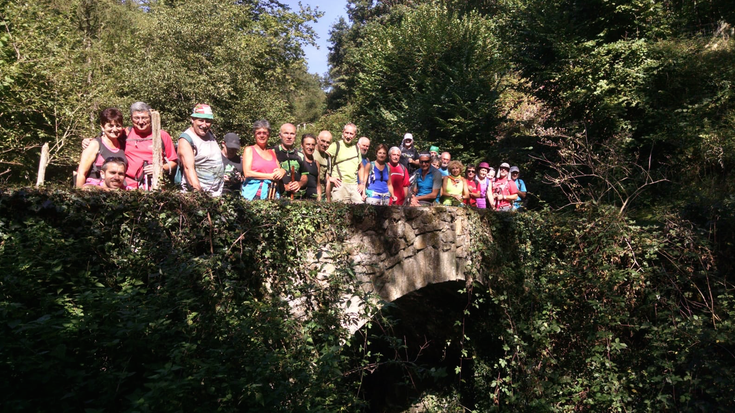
(409, 154)
(515, 175)
(200, 155)
(504, 189)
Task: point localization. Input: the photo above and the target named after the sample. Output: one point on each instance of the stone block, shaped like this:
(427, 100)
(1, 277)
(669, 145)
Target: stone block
(390, 262)
(396, 245)
(408, 252)
(458, 225)
(414, 212)
(448, 265)
(408, 232)
(420, 242)
(448, 236)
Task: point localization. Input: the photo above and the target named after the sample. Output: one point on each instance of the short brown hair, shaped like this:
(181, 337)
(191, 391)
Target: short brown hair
(111, 115)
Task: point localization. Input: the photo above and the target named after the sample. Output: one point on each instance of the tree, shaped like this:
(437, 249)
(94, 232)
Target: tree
(433, 73)
(65, 61)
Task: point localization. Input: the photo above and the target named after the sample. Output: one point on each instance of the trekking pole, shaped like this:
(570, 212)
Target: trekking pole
(272, 190)
(292, 174)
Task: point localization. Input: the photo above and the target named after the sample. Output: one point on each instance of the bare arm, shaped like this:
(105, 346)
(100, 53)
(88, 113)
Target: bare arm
(85, 163)
(429, 197)
(186, 157)
(361, 173)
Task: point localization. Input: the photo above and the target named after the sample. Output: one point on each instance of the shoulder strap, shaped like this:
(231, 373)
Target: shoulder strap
(336, 152)
(185, 136)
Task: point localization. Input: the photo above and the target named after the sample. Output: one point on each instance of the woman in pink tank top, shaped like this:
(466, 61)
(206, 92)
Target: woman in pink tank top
(259, 164)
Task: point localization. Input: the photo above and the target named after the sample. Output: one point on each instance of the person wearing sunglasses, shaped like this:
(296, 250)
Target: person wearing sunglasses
(473, 185)
(428, 182)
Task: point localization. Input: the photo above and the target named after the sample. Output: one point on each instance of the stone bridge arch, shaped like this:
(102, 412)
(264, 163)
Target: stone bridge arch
(398, 250)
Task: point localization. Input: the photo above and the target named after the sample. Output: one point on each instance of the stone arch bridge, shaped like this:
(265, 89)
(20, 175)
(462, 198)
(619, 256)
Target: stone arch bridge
(396, 251)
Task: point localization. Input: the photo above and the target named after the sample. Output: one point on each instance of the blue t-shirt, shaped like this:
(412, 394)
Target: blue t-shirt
(521, 188)
(425, 185)
(378, 180)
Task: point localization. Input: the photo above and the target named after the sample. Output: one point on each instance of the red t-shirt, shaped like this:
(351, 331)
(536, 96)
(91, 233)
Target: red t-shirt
(140, 148)
(474, 188)
(399, 179)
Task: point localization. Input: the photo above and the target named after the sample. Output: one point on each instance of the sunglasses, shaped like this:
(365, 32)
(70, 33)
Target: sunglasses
(470, 171)
(420, 161)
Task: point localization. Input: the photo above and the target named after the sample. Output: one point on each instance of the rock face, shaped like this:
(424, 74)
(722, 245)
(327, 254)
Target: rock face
(396, 251)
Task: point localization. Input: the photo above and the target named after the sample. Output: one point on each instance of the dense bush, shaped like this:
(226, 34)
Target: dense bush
(159, 302)
(165, 302)
(590, 311)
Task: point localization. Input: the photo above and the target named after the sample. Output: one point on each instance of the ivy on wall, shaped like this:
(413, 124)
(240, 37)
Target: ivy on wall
(160, 302)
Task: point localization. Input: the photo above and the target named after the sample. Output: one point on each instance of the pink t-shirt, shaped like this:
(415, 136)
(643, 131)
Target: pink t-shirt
(504, 187)
(258, 164)
(139, 148)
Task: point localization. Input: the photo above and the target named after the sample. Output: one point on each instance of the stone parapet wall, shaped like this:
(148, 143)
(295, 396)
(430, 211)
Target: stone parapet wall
(401, 250)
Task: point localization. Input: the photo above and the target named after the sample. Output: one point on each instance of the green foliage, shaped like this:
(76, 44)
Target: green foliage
(156, 302)
(63, 62)
(592, 312)
(431, 72)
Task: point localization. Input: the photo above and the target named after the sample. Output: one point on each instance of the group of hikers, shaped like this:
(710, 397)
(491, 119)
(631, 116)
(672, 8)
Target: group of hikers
(320, 170)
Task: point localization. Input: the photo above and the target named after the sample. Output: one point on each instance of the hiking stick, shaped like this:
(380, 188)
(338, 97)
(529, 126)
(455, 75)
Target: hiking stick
(292, 174)
(157, 167)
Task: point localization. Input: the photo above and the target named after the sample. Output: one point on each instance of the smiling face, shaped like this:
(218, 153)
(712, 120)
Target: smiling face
(201, 126)
(142, 122)
(288, 135)
(112, 129)
(261, 137)
(349, 133)
(364, 145)
(503, 173)
(308, 145)
(482, 173)
(114, 175)
(425, 163)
